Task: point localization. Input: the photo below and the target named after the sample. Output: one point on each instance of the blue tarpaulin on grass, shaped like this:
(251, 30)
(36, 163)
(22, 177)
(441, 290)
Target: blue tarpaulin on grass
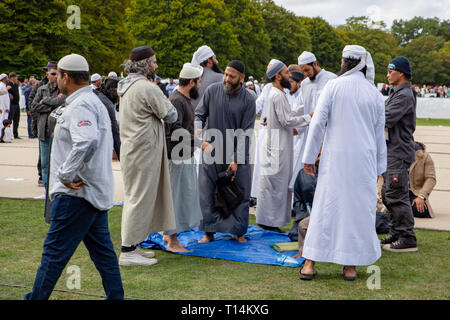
(257, 249)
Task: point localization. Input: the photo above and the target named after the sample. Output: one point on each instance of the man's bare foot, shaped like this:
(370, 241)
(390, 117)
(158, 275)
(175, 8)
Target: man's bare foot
(350, 272)
(298, 255)
(174, 245)
(308, 268)
(240, 239)
(206, 238)
(165, 238)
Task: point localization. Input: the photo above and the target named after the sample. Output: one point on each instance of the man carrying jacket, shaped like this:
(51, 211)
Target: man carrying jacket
(400, 126)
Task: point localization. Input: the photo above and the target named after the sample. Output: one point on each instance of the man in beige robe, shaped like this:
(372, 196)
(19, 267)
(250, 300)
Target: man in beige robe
(148, 206)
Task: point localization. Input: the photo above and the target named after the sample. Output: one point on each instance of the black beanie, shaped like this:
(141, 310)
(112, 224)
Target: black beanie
(238, 65)
(400, 64)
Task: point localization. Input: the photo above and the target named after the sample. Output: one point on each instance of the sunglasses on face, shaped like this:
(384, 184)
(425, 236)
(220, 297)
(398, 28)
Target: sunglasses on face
(53, 73)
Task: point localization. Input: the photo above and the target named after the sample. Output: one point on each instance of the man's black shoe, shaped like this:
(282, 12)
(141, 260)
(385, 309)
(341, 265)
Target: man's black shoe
(388, 240)
(400, 246)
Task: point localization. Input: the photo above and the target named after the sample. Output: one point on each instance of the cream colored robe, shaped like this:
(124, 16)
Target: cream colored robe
(148, 206)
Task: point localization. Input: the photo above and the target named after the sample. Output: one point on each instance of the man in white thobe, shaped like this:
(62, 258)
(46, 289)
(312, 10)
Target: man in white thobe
(312, 86)
(274, 198)
(350, 115)
(261, 102)
(4, 99)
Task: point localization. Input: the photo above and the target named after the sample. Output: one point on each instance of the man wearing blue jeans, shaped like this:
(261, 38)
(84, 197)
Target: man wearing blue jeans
(47, 99)
(81, 185)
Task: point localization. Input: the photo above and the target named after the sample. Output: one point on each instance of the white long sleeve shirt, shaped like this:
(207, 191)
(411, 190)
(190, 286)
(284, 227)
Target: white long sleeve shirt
(82, 150)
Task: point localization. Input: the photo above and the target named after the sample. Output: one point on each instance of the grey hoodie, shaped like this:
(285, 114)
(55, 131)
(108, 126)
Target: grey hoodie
(127, 82)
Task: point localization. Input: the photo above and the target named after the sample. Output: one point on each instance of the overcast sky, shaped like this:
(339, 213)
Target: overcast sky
(336, 11)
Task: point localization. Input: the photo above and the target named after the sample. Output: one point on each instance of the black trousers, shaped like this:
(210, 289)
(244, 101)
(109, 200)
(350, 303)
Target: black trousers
(14, 116)
(395, 196)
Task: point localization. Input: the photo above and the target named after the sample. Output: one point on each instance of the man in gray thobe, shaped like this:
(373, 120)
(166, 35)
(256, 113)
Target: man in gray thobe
(205, 57)
(227, 108)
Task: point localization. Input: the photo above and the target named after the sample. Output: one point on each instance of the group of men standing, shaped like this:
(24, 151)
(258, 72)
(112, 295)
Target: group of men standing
(342, 118)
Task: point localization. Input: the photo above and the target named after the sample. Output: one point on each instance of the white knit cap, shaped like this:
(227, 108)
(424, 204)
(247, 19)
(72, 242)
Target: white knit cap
(358, 52)
(191, 71)
(202, 54)
(95, 77)
(3, 76)
(306, 57)
(274, 68)
(73, 62)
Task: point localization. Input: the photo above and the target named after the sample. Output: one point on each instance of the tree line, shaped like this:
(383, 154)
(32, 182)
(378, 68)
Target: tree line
(253, 31)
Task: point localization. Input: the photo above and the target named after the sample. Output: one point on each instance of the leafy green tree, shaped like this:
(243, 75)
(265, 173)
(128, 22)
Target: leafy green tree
(176, 29)
(250, 27)
(327, 45)
(405, 31)
(426, 62)
(33, 33)
(444, 76)
(374, 38)
(288, 37)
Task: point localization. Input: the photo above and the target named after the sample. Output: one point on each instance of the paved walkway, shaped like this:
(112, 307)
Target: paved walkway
(18, 173)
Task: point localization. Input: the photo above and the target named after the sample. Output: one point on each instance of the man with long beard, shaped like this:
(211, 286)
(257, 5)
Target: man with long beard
(312, 86)
(349, 119)
(205, 57)
(274, 198)
(227, 108)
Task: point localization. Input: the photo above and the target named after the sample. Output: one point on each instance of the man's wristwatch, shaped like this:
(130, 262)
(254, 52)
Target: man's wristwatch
(421, 197)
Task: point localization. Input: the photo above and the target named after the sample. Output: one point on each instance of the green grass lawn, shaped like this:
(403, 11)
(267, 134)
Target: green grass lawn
(423, 122)
(420, 275)
(432, 122)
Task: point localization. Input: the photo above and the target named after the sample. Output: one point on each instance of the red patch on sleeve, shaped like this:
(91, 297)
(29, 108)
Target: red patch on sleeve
(84, 123)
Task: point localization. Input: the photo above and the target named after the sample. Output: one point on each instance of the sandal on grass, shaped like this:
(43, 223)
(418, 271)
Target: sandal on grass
(304, 276)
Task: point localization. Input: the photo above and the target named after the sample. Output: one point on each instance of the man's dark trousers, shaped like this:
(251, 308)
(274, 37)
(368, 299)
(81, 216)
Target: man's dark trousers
(395, 196)
(74, 220)
(14, 116)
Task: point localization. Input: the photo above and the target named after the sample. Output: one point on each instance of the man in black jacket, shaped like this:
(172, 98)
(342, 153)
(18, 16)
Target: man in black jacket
(14, 111)
(33, 119)
(400, 126)
(47, 99)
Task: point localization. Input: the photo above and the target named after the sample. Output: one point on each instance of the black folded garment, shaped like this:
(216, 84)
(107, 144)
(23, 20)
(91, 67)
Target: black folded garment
(227, 195)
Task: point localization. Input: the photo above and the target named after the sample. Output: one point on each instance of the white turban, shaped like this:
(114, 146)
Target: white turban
(202, 54)
(274, 67)
(3, 76)
(358, 52)
(191, 71)
(306, 57)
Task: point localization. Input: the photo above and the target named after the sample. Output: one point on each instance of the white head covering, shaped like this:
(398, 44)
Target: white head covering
(73, 62)
(306, 57)
(191, 71)
(112, 74)
(274, 67)
(202, 54)
(95, 77)
(3, 76)
(249, 83)
(358, 52)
